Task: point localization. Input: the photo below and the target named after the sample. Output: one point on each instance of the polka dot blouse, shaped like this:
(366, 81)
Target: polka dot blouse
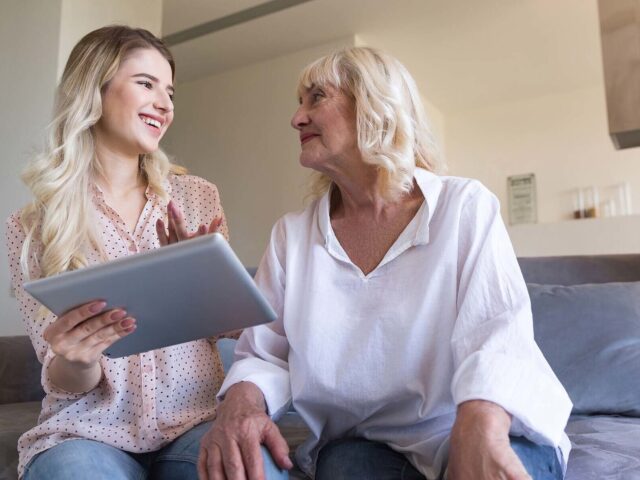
(143, 401)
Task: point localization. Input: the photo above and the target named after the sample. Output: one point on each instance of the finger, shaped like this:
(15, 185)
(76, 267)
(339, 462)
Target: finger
(99, 348)
(202, 464)
(252, 458)
(178, 221)
(277, 446)
(232, 461)
(216, 225)
(72, 318)
(213, 464)
(91, 327)
(108, 334)
(162, 233)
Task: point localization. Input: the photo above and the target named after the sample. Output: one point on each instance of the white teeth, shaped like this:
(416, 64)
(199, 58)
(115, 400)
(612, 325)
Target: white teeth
(150, 121)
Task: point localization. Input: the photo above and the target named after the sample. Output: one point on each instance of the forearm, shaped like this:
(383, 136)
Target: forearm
(480, 416)
(73, 377)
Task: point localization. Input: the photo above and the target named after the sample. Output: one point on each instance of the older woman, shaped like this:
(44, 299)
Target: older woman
(404, 336)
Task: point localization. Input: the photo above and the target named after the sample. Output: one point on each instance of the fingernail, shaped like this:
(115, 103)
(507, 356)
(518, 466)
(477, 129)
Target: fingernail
(97, 307)
(202, 229)
(128, 322)
(118, 315)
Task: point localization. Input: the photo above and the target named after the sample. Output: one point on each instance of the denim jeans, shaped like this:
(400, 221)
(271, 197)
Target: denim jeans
(80, 459)
(360, 459)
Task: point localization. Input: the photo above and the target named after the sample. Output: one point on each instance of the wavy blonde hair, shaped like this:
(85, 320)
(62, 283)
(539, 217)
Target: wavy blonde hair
(60, 178)
(392, 127)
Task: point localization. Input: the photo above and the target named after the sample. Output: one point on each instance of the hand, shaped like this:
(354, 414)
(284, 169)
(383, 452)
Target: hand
(177, 228)
(78, 338)
(480, 446)
(230, 450)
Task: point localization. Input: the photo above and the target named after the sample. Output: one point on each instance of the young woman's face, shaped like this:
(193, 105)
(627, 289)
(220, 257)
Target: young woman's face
(137, 105)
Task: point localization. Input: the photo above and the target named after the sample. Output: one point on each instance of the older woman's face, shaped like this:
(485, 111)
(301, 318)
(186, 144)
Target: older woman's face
(326, 120)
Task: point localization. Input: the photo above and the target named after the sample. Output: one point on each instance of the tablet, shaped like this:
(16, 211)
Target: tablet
(186, 291)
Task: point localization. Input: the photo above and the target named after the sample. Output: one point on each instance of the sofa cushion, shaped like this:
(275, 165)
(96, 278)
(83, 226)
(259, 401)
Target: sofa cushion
(19, 371)
(15, 419)
(604, 447)
(590, 334)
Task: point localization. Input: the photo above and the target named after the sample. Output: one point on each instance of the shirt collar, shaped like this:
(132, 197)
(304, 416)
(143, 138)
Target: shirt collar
(429, 184)
(148, 193)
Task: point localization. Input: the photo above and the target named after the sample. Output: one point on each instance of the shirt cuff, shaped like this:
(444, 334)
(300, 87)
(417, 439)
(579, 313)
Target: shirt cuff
(535, 399)
(273, 381)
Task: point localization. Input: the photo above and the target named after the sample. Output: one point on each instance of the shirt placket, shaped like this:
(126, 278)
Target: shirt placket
(149, 395)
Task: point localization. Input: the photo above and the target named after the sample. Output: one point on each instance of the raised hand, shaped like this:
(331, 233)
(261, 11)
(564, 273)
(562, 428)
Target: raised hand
(177, 230)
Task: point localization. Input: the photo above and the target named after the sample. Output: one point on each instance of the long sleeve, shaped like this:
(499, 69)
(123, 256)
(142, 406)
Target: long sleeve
(262, 351)
(495, 355)
(35, 318)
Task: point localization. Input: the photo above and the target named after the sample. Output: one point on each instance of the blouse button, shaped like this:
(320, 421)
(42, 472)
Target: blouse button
(132, 247)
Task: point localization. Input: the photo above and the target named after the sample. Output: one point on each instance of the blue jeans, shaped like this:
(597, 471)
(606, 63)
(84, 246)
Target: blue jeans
(357, 458)
(80, 459)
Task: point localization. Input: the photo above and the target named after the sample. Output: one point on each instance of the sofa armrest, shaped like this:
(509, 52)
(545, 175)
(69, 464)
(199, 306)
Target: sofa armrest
(19, 371)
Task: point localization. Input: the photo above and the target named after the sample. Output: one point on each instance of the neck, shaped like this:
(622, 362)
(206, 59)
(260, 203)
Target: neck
(362, 195)
(119, 174)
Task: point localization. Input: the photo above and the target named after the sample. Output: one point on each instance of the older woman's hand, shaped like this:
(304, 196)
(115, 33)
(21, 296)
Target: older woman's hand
(231, 448)
(480, 446)
(177, 227)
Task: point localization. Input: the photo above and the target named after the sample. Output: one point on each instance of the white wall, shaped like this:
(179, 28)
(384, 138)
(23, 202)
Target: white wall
(29, 32)
(233, 129)
(563, 139)
(79, 17)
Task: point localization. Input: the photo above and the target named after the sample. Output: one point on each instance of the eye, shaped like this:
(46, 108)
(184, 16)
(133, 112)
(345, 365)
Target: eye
(146, 84)
(171, 96)
(318, 95)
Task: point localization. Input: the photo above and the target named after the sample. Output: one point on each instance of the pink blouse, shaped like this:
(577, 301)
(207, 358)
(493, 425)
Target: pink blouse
(144, 401)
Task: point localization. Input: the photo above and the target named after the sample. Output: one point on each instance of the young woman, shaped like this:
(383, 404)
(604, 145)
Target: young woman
(101, 190)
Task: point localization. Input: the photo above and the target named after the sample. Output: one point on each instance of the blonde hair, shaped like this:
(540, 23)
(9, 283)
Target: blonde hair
(60, 178)
(392, 127)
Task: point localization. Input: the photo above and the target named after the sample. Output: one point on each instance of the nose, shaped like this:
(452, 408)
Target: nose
(300, 117)
(163, 102)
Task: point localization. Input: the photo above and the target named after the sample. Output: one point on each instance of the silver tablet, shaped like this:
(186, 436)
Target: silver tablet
(182, 292)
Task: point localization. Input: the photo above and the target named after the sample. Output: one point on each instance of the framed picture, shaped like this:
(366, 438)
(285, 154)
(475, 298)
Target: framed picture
(523, 205)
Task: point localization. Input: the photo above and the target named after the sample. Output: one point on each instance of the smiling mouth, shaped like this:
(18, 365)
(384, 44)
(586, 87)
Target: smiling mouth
(151, 121)
(305, 138)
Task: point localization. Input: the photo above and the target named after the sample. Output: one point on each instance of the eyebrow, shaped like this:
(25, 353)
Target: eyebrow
(151, 77)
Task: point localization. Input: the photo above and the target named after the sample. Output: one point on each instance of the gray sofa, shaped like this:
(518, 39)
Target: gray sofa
(586, 320)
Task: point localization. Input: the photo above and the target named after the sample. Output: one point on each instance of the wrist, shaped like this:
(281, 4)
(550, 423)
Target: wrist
(484, 417)
(246, 393)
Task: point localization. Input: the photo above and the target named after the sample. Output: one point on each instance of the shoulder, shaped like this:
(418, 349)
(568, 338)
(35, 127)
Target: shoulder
(468, 194)
(182, 182)
(191, 187)
(299, 221)
(13, 225)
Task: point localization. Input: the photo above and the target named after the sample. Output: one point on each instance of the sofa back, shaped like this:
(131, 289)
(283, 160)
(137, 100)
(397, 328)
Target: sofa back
(586, 319)
(580, 269)
(19, 371)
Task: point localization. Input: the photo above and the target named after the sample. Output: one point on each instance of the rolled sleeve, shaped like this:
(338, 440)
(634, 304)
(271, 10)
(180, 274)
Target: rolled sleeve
(495, 354)
(262, 352)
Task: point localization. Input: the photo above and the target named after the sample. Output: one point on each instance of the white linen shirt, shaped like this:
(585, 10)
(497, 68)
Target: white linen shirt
(444, 318)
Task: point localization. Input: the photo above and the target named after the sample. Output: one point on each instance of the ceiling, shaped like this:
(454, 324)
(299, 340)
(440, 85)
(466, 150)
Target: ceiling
(465, 53)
